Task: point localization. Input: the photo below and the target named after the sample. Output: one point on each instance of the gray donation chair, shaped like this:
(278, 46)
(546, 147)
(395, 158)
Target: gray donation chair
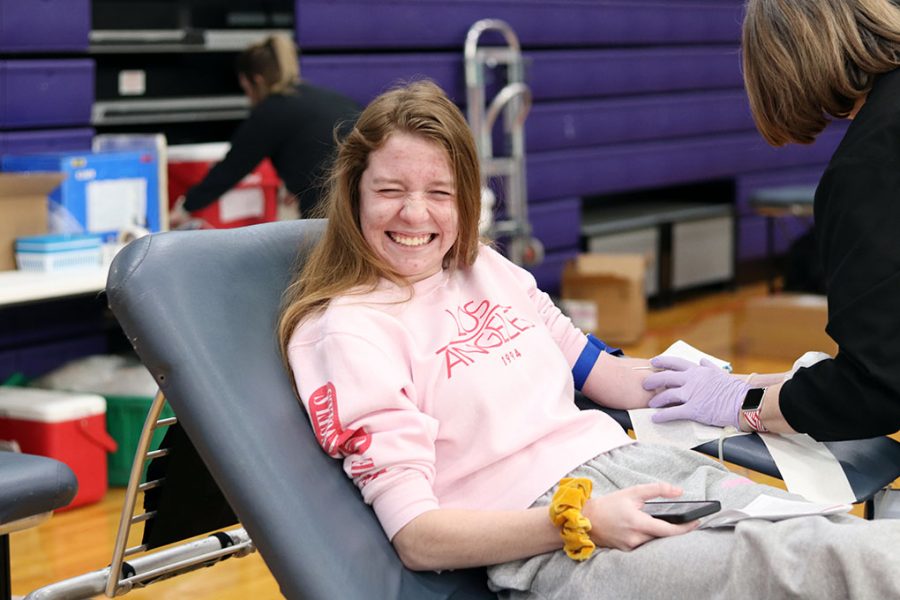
(31, 488)
(200, 308)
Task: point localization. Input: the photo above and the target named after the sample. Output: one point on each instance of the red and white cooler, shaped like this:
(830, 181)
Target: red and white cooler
(70, 427)
(253, 200)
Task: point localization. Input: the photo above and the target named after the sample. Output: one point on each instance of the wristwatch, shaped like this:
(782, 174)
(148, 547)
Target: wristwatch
(751, 407)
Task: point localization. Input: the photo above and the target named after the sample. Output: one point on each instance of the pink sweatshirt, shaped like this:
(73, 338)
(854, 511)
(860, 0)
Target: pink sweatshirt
(460, 396)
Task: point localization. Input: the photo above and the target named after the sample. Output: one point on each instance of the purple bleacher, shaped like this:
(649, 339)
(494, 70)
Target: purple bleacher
(625, 167)
(39, 93)
(421, 24)
(36, 360)
(558, 74)
(557, 223)
(752, 235)
(552, 75)
(45, 140)
(752, 231)
(581, 123)
(362, 77)
(44, 25)
(36, 337)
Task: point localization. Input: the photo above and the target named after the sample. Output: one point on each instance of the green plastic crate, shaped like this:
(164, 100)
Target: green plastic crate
(125, 416)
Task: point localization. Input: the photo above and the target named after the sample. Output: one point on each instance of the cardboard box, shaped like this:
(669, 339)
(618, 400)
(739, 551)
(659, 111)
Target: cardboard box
(103, 192)
(643, 241)
(23, 210)
(614, 284)
(785, 326)
(141, 142)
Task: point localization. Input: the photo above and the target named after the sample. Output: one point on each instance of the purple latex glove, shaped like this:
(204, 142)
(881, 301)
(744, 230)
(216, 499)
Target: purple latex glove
(704, 393)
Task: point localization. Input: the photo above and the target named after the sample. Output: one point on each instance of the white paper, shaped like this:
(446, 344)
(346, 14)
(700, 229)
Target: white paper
(682, 349)
(242, 203)
(680, 434)
(771, 508)
(132, 82)
(808, 468)
(807, 360)
(114, 204)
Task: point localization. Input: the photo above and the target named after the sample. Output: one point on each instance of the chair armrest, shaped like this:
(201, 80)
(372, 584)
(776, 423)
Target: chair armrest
(32, 486)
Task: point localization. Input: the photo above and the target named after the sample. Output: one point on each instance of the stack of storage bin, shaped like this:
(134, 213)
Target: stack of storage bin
(46, 79)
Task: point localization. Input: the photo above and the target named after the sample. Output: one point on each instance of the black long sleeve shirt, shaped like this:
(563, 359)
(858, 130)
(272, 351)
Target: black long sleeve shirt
(295, 131)
(857, 227)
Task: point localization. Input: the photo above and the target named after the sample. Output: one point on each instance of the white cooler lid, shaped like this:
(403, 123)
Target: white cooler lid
(48, 406)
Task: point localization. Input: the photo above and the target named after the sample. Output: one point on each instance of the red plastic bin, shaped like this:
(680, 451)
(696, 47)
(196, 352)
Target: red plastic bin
(66, 426)
(253, 200)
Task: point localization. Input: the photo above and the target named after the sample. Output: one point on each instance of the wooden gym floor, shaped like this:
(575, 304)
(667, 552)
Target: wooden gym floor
(78, 541)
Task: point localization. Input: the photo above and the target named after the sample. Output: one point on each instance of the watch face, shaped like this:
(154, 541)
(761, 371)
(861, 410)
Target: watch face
(753, 399)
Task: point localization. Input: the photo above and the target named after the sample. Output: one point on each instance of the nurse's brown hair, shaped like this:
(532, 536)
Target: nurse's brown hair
(806, 61)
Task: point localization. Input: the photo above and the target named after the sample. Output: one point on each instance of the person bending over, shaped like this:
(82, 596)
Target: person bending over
(806, 62)
(292, 122)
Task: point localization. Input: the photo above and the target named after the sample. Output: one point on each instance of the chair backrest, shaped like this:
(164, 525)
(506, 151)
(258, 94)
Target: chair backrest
(200, 309)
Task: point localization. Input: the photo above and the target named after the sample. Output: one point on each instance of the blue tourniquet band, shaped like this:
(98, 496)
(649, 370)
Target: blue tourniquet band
(584, 364)
(603, 347)
(588, 357)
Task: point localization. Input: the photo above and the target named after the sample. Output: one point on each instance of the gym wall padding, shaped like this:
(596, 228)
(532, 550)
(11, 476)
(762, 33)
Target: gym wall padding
(629, 95)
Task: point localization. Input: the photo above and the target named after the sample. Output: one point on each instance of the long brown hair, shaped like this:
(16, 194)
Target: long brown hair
(806, 60)
(343, 261)
(275, 60)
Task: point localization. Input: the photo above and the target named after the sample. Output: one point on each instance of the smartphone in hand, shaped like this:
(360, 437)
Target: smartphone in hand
(681, 511)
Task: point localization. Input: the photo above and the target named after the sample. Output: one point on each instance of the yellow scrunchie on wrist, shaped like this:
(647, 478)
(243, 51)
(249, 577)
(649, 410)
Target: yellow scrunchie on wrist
(565, 512)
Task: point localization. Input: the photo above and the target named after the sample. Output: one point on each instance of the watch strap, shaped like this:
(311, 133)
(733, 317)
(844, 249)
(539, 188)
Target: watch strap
(751, 409)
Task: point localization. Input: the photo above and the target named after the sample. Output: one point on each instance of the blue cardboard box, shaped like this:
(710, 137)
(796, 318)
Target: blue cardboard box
(103, 192)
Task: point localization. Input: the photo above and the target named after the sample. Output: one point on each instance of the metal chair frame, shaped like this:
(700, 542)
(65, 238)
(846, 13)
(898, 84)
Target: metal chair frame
(122, 575)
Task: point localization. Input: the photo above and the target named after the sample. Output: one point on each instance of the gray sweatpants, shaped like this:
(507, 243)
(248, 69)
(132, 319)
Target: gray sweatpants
(810, 557)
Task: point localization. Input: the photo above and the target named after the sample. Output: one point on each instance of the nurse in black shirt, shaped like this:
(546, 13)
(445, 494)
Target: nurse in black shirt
(806, 62)
(291, 122)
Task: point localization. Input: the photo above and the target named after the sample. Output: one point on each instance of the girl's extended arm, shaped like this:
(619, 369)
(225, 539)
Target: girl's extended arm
(615, 382)
(451, 539)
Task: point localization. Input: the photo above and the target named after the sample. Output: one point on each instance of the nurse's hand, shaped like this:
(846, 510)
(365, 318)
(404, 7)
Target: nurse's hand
(703, 393)
(178, 216)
